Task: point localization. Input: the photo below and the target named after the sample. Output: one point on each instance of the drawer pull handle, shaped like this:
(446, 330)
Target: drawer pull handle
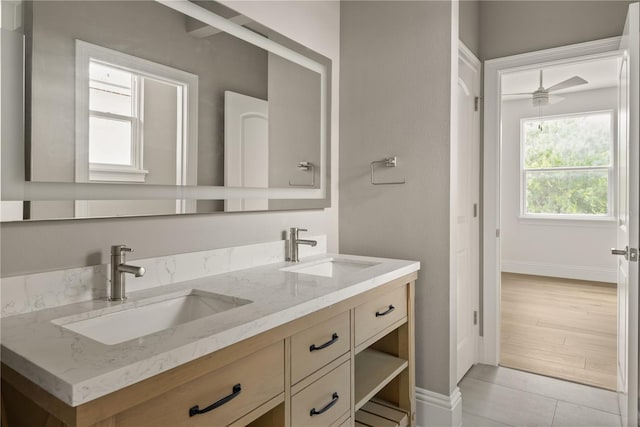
(195, 410)
(333, 339)
(384, 313)
(334, 400)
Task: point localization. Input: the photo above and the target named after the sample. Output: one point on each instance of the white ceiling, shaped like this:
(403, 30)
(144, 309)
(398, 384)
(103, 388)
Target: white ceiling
(600, 73)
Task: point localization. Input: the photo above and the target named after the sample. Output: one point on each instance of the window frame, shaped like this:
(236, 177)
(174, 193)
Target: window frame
(134, 172)
(611, 168)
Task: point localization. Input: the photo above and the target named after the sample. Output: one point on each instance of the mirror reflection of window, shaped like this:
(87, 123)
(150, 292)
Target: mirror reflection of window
(136, 120)
(115, 137)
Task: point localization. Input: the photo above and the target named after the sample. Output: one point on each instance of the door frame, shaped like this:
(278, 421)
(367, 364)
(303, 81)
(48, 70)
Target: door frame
(467, 56)
(489, 345)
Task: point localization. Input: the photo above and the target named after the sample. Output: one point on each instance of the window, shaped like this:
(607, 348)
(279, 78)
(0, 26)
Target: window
(113, 92)
(115, 137)
(567, 166)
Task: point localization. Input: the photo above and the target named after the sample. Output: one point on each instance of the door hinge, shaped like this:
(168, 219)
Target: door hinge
(475, 317)
(476, 103)
(475, 210)
(497, 232)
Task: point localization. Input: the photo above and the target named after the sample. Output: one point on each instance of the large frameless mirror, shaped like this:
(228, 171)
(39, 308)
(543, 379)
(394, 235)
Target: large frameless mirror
(157, 107)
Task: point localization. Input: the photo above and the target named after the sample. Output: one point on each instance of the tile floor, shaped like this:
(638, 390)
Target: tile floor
(493, 397)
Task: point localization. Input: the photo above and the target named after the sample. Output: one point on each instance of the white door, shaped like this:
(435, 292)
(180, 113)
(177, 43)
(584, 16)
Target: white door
(466, 210)
(627, 221)
(246, 148)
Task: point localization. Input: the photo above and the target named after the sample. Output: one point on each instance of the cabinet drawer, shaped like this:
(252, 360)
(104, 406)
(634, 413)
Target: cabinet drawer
(333, 387)
(375, 315)
(260, 377)
(313, 348)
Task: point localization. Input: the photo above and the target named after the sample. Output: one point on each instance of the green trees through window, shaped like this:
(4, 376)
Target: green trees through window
(567, 164)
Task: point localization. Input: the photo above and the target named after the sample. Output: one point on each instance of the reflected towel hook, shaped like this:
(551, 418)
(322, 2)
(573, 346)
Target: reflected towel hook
(306, 167)
(390, 162)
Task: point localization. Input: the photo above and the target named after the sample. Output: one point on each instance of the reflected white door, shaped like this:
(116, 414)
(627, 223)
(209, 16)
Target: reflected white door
(246, 148)
(466, 211)
(627, 221)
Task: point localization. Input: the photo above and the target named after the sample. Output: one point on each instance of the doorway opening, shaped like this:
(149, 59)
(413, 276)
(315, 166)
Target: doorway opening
(625, 50)
(557, 210)
(550, 194)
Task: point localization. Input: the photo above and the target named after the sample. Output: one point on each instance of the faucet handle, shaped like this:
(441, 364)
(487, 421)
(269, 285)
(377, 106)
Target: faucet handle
(118, 249)
(302, 229)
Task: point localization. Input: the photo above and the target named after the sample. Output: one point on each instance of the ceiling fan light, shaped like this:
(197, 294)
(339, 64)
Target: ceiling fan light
(555, 99)
(540, 101)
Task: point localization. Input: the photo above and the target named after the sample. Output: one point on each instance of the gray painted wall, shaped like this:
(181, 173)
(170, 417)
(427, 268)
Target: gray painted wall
(50, 245)
(294, 128)
(160, 127)
(395, 100)
(512, 27)
(469, 15)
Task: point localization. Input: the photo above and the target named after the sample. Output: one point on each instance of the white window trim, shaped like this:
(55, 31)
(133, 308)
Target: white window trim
(549, 221)
(610, 216)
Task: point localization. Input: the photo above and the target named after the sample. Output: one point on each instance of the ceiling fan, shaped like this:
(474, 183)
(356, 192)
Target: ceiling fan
(541, 96)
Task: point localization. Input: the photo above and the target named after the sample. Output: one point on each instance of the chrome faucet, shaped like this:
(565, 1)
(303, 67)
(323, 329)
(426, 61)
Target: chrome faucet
(293, 242)
(118, 270)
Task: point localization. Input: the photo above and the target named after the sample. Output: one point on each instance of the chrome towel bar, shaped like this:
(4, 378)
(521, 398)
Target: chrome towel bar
(305, 167)
(390, 162)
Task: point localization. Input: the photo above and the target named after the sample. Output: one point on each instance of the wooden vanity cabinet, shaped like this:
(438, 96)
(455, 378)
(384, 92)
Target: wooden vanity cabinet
(315, 347)
(376, 317)
(338, 367)
(217, 397)
(325, 401)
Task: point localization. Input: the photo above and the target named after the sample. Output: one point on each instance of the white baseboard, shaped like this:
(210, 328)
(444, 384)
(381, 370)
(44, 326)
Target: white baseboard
(436, 410)
(596, 274)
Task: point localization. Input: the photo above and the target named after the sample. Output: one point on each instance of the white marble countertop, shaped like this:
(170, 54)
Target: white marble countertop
(77, 369)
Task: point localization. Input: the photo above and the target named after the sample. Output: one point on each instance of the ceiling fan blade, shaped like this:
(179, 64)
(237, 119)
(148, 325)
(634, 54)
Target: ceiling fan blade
(555, 99)
(573, 81)
(518, 94)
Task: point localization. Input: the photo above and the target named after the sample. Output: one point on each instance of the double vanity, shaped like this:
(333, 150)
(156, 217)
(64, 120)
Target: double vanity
(324, 342)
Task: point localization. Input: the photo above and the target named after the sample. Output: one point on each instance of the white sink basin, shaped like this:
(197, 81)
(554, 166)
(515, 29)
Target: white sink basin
(330, 267)
(131, 321)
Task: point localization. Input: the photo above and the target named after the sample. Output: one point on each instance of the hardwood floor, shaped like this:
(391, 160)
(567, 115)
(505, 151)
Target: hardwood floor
(560, 328)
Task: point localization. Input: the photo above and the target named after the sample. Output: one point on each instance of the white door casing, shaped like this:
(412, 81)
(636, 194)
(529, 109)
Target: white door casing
(246, 148)
(628, 160)
(467, 210)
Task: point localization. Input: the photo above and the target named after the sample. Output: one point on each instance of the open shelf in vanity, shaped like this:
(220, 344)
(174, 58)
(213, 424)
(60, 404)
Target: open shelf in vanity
(374, 370)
